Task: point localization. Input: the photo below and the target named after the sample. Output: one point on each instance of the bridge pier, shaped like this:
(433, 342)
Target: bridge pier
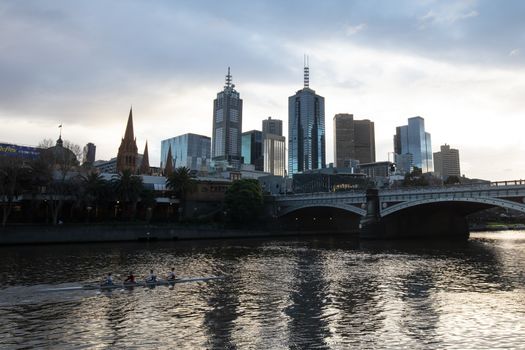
(419, 222)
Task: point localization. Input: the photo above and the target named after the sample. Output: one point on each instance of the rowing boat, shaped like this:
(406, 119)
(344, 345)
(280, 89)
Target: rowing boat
(128, 285)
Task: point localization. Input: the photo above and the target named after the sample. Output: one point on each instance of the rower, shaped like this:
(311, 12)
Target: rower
(130, 278)
(171, 275)
(151, 277)
(109, 280)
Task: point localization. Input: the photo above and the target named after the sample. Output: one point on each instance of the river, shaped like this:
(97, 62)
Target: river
(323, 292)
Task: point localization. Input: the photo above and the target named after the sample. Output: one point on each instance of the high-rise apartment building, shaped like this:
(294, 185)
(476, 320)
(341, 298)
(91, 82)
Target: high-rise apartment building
(189, 150)
(412, 143)
(353, 140)
(227, 125)
(274, 147)
(272, 126)
(88, 154)
(306, 129)
(252, 149)
(446, 162)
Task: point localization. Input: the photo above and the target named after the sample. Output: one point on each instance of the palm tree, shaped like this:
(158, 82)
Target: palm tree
(182, 183)
(95, 190)
(128, 188)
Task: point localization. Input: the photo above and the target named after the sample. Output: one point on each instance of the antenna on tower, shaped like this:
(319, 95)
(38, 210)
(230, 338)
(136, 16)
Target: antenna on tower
(306, 72)
(228, 79)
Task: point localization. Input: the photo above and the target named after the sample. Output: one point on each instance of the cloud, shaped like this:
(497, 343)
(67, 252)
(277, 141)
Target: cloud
(514, 52)
(352, 30)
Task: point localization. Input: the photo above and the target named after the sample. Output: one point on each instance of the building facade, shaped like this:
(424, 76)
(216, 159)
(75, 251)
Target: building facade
(446, 162)
(353, 140)
(413, 140)
(252, 149)
(227, 125)
(272, 126)
(189, 150)
(88, 154)
(306, 130)
(274, 150)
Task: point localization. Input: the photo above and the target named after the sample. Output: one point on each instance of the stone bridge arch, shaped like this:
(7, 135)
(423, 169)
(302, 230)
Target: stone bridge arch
(346, 207)
(488, 201)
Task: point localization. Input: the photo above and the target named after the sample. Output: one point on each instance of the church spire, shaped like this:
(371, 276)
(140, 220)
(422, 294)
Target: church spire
(168, 169)
(144, 166)
(128, 135)
(128, 152)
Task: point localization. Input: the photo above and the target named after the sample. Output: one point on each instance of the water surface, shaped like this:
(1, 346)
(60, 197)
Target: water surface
(326, 292)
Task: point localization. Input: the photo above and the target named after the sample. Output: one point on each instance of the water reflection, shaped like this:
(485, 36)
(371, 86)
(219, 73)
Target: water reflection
(323, 292)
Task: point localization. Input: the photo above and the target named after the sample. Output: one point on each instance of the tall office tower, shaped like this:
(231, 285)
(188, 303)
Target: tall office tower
(189, 150)
(446, 162)
(128, 152)
(353, 140)
(306, 129)
(274, 150)
(274, 147)
(227, 125)
(252, 149)
(272, 126)
(412, 146)
(89, 154)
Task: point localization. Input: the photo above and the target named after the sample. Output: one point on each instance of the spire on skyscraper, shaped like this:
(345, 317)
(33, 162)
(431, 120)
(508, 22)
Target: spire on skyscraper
(228, 79)
(306, 72)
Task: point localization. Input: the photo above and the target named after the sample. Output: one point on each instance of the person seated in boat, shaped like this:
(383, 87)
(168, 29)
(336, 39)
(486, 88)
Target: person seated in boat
(171, 275)
(130, 278)
(151, 277)
(109, 280)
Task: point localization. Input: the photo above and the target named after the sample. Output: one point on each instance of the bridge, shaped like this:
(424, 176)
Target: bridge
(398, 212)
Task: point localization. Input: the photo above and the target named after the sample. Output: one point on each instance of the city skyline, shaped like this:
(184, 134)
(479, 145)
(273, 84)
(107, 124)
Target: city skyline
(456, 64)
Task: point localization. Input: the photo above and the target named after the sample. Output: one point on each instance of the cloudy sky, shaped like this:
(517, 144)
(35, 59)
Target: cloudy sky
(458, 64)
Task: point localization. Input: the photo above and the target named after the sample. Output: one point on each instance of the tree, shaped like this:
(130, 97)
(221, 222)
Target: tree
(181, 182)
(244, 201)
(94, 191)
(128, 188)
(14, 179)
(451, 180)
(63, 160)
(415, 178)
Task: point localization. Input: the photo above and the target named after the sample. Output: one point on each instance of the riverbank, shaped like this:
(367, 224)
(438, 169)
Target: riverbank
(26, 234)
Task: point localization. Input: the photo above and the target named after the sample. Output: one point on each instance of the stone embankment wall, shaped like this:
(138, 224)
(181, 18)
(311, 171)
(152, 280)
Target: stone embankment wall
(115, 233)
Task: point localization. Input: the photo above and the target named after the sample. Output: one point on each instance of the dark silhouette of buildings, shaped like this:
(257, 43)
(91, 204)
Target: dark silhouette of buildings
(128, 151)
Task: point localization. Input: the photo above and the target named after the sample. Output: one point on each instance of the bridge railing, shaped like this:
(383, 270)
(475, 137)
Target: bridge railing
(508, 183)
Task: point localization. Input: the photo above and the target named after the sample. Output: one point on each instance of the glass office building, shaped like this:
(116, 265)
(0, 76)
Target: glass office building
(189, 150)
(227, 125)
(274, 150)
(306, 130)
(412, 140)
(252, 149)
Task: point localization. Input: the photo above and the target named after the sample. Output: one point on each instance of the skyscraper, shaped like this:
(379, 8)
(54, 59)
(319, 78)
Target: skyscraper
(88, 154)
(252, 149)
(353, 140)
(189, 150)
(306, 129)
(272, 126)
(227, 125)
(446, 162)
(412, 146)
(274, 147)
